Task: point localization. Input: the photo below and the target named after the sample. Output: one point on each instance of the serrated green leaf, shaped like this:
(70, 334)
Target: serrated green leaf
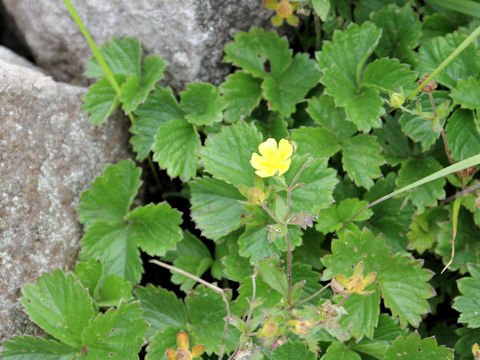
(254, 244)
(114, 248)
(435, 25)
(101, 100)
(253, 50)
(400, 32)
(463, 136)
(114, 289)
(161, 309)
(202, 103)
(305, 273)
(60, 305)
(467, 246)
(175, 148)
(464, 65)
(395, 145)
(333, 218)
(116, 334)
(160, 107)
(193, 265)
(296, 350)
(468, 337)
(226, 155)
(264, 295)
(89, 273)
(339, 351)
(310, 252)
(468, 302)
(418, 129)
(155, 227)
(237, 268)
(317, 142)
(135, 90)
(362, 157)
(285, 90)
(273, 275)
(242, 93)
(410, 347)
(466, 94)
(427, 194)
(363, 105)
(389, 75)
(122, 57)
(163, 339)
(189, 245)
(211, 201)
(111, 195)
(362, 317)
(36, 348)
(364, 8)
(276, 126)
(207, 311)
(424, 229)
(326, 113)
(321, 7)
(402, 281)
(319, 182)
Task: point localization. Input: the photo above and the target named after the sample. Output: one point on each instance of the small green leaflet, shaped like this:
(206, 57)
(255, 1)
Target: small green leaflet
(163, 339)
(34, 348)
(363, 312)
(410, 347)
(467, 303)
(273, 275)
(202, 103)
(389, 75)
(424, 229)
(334, 217)
(463, 136)
(465, 94)
(296, 350)
(339, 351)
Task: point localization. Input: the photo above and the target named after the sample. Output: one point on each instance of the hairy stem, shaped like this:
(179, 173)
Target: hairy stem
(310, 297)
(444, 136)
(289, 269)
(272, 215)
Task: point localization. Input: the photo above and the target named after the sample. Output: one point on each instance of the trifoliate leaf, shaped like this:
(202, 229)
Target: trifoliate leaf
(340, 351)
(163, 339)
(60, 305)
(362, 317)
(35, 348)
(297, 350)
(113, 246)
(330, 116)
(116, 334)
(161, 309)
(176, 145)
(317, 142)
(122, 57)
(259, 53)
(468, 337)
(319, 181)
(134, 90)
(215, 207)
(285, 90)
(467, 246)
(226, 155)
(160, 107)
(101, 100)
(207, 312)
(111, 195)
(389, 75)
(418, 129)
(155, 228)
(334, 217)
(424, 229)
(400, 32)
(363, 105)
(271, 273)
(463, 136)
(89, 273)
(464, 65)
(411, 347)
(202, 103)
(395, 145)
(466, 94)
(242, 93)
(114, 289)
(425, 195)
(402, 281)
(467, 303)
(362, 157)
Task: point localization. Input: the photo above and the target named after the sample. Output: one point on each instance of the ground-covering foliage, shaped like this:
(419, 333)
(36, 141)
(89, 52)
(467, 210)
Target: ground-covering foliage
(274, 162)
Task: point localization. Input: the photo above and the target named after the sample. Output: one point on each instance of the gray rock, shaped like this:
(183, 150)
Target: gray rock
(11, 57)
(188, 34)
(49, 154)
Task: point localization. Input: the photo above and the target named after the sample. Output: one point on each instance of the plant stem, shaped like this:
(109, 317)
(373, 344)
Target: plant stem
(252, 301)
(211, 286)
(444, 136)
(289, 269)
(310, 297)
(465, 191)
(272, 215)
(318, 31)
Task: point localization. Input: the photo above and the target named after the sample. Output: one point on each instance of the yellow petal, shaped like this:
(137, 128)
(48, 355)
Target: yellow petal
(370, 278)
(170, 354)
(182, 340)
(198, 350)
(258, 162)
(358, 269)
(341, 279)
(266, 172)
(283, 166)
(268, 149)
(285, 149)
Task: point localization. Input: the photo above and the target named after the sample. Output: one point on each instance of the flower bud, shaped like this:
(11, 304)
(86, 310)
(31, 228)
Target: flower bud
(396, 99)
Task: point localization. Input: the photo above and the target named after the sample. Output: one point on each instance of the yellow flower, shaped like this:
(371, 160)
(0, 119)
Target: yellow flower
(274, 159)
(183, 352)
(356, 283)
(270, 329)
(301, 327)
